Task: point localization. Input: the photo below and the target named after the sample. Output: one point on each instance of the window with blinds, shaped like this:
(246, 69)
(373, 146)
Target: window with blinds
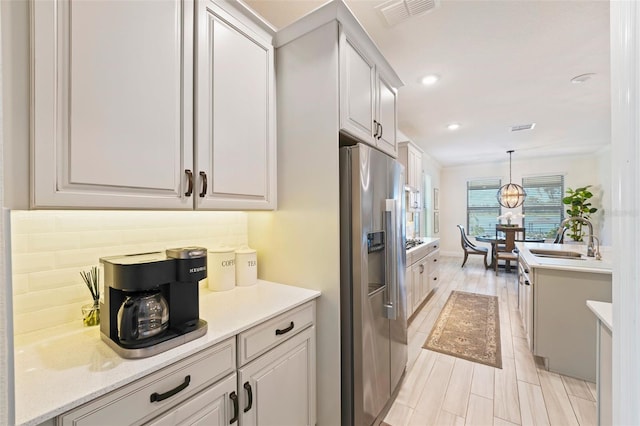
(483, 208)
(543, 208)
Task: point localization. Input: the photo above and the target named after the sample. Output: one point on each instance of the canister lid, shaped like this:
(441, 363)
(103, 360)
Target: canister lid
(245, 250)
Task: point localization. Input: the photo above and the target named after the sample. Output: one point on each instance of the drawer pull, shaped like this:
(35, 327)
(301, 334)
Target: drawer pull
(280, 332)
(247, 386)
(157, 397)
(236, 410)
(435, 278)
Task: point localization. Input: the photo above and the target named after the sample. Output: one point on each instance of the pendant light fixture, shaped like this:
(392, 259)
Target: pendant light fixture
(511, 195)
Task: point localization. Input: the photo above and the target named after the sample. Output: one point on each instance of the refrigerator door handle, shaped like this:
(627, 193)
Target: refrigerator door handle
(390, 212)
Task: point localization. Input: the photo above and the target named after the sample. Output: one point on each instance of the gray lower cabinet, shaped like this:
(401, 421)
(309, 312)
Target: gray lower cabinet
(263, 376)
(422, 274)
(281, 384)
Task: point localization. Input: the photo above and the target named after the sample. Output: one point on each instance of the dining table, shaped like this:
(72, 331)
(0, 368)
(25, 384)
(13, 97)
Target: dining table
(495, 241)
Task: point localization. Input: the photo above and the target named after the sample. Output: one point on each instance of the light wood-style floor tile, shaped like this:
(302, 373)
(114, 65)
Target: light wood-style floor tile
(577, 387)
(415, 346)
(446, 418)
(480, 412)
(399, 414)
(556, 399)
(430, 401)
(482, 383)
(497, 421)
(457, 395)
(506, 404)
(593, 390)
(416, 379)
(525, 365)
(585, 410)
(532, 408)
(435, 388)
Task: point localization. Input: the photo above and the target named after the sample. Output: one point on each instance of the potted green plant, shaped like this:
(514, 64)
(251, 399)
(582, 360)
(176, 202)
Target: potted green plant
(578, 206)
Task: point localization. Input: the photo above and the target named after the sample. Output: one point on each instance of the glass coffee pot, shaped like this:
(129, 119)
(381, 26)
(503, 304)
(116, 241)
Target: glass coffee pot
(141, 316)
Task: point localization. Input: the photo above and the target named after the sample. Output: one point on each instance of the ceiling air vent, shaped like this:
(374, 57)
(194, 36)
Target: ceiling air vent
(523, 127)
(396, 11)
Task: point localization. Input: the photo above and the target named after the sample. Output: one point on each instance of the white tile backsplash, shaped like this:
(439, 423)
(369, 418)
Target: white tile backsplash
(50, 248)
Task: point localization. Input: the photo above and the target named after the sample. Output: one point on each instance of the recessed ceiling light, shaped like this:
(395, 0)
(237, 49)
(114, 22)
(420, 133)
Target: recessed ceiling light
(428, 80)
(453, 126)
(579, 79)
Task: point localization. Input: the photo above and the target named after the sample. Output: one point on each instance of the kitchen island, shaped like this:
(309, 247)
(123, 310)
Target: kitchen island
(552, 299)
(61, 371)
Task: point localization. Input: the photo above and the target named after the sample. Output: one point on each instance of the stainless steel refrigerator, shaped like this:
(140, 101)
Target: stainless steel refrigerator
(372, 292)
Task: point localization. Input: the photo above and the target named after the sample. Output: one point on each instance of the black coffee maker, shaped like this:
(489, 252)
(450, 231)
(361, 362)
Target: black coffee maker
(151, 301)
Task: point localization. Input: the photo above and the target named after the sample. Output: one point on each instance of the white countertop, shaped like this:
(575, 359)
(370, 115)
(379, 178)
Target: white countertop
(603, 311)
(426, 242)
(584, 264)
(56, 373)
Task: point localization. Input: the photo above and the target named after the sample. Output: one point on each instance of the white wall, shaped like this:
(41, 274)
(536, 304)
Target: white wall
(577, 170)
(432, 171)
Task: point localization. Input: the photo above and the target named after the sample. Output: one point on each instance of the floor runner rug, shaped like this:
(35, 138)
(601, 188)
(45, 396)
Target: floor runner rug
(468, 327)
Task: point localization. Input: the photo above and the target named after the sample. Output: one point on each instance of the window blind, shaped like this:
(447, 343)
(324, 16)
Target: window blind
(543, 208)
(483, 208)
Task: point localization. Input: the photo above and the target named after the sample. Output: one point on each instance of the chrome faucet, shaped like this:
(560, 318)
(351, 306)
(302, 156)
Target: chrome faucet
(590, 246)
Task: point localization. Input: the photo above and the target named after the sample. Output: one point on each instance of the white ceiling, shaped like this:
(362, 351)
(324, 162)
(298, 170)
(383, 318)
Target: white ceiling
(501, 63)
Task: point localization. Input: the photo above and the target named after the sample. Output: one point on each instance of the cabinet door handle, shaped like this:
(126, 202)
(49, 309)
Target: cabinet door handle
(526, 282)
(435, 278)
(435, 260)
(421, 268)
(375, 123)
(280, 332)
(236, 409)
(157, 397)
(189, 174)
(204, 184)
(381, 130)
(247, 386)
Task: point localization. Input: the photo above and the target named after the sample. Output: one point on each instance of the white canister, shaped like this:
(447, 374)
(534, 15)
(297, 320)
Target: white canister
(221, 269)
(246, 266)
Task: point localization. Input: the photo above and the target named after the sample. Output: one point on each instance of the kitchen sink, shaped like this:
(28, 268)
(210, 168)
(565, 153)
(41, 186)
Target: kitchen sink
(558, 254)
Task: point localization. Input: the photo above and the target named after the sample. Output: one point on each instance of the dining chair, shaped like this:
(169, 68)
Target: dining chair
(469, 248)
(511, 235)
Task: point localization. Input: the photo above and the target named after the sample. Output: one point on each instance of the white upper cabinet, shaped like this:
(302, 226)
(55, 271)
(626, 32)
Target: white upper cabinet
(235, 113)
(357, 92)
(368, 101)
(114, 104)
(387, 110)
(112, 90)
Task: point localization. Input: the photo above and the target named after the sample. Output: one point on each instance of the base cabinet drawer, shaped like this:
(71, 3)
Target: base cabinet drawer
(151, 395)
(257, 340)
